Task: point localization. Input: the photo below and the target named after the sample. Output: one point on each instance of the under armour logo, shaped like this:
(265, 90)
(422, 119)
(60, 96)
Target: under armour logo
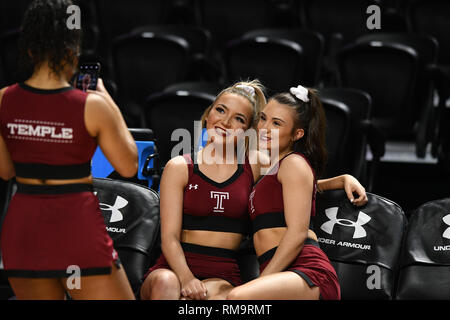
(116, 215)
(219, 196)
(331, 213)
(446, 220)
(193, 186)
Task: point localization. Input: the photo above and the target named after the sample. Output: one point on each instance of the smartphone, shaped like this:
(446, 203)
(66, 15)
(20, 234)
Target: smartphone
(88, 76)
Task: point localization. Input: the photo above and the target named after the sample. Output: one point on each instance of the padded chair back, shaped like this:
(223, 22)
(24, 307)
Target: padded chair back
(338, 125)
(353, 159)
(425, 262)
(312, 44)
(392, 90)
(148, 169)
(131, 214)
(362, 243)
(166, 112)
(146, 63)
(277, 63)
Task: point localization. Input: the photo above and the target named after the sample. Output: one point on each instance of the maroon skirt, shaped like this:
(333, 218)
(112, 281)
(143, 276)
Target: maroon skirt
(314, 267)
(206, 262)
(49, 230)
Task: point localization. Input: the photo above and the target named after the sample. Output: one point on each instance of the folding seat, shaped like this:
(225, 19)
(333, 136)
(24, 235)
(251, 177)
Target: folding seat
(312, 44)
(131, 214)
(423, 111)
(146, 63)
(362, 243)
(349, 132)
(171, 116)
(278, 63)
(340, 22)
(425, 260)
(390, 73)
(201, 64)
(148, 169)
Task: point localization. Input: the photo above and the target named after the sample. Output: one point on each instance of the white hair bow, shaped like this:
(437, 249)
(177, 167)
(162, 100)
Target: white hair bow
(249, 89)
(300, 92)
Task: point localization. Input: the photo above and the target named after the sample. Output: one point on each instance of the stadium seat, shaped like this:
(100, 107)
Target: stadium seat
(201, 64)
(425, 260)
(168, 111)
(348, 155)
(423, 112)
(362, 243)
(394, 90)
(146, 63)
(131, 214)
(277, 63)
(148, 170)
(312, 44)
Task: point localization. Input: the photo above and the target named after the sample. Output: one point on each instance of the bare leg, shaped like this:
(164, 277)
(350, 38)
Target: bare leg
(114, 286)
(218, 289)
(161, 284)
(278, 286)
(37, 289)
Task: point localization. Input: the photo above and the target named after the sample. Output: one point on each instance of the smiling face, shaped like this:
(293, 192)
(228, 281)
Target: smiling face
(230, 115)
(276, 127)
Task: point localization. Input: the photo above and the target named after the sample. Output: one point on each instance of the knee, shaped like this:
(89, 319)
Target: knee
(163, 285)
(236, 294)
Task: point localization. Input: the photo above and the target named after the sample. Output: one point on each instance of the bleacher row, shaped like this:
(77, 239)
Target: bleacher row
(377, 253)
(150, 47)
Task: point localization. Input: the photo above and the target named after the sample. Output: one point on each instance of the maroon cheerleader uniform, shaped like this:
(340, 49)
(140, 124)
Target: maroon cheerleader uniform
(266, 210)
(213, 206)
(49, 228)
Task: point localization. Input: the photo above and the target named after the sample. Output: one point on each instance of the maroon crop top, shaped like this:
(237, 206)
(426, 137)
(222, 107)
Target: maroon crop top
(213, 206)
(45, 133)
(266, 206)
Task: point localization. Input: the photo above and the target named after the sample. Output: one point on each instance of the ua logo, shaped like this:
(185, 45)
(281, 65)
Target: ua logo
(219, 196)
(195, 186)
(446, 220)
(116, 215)
(331, 213)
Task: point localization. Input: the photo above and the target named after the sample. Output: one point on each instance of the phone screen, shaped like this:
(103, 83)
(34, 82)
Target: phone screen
(88, 76)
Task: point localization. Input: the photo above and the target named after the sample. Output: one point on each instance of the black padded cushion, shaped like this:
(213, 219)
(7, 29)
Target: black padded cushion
(425, 261)
(131, 214)
(363, 243)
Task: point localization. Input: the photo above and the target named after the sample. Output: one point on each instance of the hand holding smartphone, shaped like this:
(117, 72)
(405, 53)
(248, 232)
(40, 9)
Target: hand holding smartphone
(88, 75)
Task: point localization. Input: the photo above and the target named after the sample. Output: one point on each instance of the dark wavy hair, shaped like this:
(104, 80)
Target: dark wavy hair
(46, 37)
(309, 116)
